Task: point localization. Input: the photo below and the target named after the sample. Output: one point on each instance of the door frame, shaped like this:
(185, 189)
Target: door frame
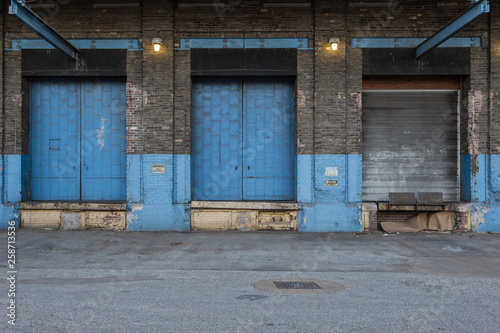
(293, 82)
(459, 97)
(79, 82)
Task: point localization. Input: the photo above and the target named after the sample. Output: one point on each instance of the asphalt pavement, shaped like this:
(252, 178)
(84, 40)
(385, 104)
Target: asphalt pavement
(99, 281)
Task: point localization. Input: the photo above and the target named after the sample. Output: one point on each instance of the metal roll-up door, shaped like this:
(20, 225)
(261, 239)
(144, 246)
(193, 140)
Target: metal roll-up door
(410, 143)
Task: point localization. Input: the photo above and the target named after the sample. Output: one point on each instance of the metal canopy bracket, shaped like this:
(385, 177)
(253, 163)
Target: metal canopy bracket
(41, 28)
(479, 8)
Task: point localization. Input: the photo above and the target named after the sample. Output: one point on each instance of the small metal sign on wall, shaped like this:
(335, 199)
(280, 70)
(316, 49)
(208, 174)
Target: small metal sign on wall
(158, 168)
(331, 171)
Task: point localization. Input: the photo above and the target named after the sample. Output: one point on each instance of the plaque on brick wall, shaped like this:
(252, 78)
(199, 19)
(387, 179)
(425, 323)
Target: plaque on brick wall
(158, 168)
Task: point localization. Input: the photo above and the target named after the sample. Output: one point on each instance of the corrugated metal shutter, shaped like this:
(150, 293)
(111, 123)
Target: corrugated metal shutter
(410, 143)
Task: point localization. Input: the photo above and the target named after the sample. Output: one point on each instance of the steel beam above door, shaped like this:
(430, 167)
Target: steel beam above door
(453, 27)
(41, 28)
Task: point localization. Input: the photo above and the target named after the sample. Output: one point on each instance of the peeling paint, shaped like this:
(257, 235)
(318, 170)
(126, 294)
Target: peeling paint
(100, 135)
(301, 99)
(145, 98)
(476, 101)
(134, 97)
(359, 99)
(107, 220)
(131, 217)
(478, 215)
(18, 100)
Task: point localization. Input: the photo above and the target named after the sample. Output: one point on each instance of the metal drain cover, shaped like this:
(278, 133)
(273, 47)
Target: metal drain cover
(298, 286)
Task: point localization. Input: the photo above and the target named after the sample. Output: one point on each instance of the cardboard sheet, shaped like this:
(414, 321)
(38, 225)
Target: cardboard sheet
(442, 221)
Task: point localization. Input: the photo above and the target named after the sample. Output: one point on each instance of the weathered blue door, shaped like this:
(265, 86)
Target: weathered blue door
(217, 138)
(243, 139)
(78, 139)
(103, 140)
(268, 139)
(55, 140)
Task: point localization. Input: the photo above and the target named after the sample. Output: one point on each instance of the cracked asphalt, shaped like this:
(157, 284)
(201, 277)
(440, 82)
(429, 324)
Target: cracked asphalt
(99, 281)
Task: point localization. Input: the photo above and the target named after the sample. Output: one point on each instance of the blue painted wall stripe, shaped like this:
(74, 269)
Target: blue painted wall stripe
(130, 44)
(354, 177)
(478, 178)
(305, 180)
(11, 187)
(466, 179)
(134, 179)
(219, 43)
(182, 179)
(156, 210)
(412, 42)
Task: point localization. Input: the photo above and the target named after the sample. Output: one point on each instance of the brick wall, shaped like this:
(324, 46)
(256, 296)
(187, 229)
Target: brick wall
(330, 79)
(354, 101)
(182, 102)
(1, 78)
(328, 83)
(495, 77)
(478, 101)
(404, 18)
(158, 78)
(373, 225)
(12, 117)
(462, 221)
(305, 102)
(252, 17)
(78, 17)
(135, 96)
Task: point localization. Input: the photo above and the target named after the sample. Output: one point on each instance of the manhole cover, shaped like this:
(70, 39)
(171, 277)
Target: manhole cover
(296, 285)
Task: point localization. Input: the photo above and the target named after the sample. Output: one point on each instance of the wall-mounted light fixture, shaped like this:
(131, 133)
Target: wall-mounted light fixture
(334, 42)
(157, 43)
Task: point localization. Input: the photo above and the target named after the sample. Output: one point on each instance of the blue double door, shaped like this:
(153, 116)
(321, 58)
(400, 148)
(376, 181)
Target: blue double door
(243, 139)
(78, 139)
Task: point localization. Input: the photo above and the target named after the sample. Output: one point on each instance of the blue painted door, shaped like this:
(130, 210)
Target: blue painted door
(243, 139)
(103, 140)
(217, 138)
(268, 139)
(55, 140)
(78, 139)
